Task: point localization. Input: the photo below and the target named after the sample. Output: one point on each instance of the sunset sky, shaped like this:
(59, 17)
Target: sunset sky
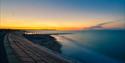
(62, 14)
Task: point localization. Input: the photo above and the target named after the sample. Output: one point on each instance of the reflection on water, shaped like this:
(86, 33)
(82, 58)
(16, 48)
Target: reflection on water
(104, 46)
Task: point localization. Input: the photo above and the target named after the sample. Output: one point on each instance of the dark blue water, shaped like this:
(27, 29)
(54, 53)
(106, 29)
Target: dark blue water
(102, 46)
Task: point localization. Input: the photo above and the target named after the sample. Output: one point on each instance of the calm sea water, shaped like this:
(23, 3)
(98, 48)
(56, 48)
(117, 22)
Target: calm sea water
(102, 46)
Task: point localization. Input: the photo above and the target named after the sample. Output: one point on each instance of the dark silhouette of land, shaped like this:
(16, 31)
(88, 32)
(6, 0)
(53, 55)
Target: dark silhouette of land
(3, 56)
(46, 41)
(15, 48)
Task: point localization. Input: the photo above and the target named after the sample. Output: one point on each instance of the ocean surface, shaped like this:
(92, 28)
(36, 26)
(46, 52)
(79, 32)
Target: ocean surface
(94, 46)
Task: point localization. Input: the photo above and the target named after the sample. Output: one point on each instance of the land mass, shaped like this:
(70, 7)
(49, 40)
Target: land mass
(45, 40)
(29, 49)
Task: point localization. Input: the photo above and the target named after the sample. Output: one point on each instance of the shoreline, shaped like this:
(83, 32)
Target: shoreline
(45, 40)
(50, 42)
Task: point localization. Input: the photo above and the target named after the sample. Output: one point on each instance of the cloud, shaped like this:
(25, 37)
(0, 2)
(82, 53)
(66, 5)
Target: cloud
(100, 26)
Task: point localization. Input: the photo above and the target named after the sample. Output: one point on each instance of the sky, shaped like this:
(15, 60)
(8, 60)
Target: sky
(62, 14)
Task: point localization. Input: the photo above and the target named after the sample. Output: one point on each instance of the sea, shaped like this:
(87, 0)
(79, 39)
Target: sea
(93, 46)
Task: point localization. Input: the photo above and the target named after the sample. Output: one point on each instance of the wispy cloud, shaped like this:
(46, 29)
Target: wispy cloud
(100, 26)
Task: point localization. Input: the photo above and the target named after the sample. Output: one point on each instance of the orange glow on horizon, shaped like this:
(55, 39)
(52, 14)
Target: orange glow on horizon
(54, 24)
(45, 23)
(40, 28)
(70, 22)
